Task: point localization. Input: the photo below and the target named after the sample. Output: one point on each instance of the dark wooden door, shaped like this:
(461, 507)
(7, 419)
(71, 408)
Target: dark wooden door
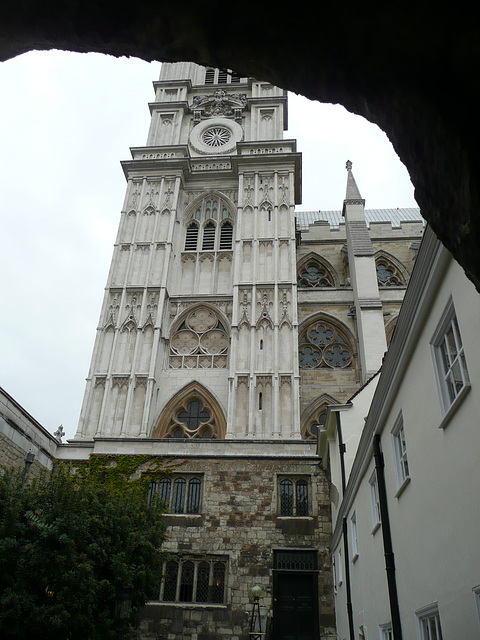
(295, 606)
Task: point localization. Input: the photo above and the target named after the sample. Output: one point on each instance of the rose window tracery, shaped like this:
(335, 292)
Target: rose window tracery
(322, 345)
(201, 341)
(216, 136)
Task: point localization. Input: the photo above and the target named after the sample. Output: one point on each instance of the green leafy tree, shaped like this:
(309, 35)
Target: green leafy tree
(72, 545)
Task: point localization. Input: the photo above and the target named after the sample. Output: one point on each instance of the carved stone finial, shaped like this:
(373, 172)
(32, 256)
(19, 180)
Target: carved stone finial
(348, 166)
(59, 433)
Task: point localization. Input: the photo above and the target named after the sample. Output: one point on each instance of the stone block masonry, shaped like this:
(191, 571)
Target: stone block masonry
(240, 523)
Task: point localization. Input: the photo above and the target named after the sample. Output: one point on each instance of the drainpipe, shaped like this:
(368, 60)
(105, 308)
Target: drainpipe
(387, 540)
(348, 590)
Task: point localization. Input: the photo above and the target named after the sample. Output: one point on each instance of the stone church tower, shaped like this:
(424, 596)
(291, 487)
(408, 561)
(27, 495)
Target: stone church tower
(229, 323)
(199, 311)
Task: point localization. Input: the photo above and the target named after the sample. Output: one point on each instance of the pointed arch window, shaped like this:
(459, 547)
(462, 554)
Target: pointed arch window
(388, 274)
(191, 238)
(322, 344)
(314, 273)
(210, 227)
(201, 341)
(208, 243)
(226, 236)
(191, 413)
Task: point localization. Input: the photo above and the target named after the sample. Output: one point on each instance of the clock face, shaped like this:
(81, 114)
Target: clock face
(216, 135)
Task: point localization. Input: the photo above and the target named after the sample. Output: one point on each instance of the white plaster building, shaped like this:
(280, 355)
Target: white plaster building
(405, 513)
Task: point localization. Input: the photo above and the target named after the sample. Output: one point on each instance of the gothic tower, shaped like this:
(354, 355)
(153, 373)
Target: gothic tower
(199, 316)
(229, 323)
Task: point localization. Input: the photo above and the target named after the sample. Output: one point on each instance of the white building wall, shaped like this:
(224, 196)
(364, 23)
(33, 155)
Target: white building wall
(435, 516)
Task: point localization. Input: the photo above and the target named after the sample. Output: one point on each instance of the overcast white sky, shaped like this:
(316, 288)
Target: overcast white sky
(67, 120)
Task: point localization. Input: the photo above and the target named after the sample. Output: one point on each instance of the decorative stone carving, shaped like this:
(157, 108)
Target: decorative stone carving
(220, 103)
(266, 189)
(264, 319)
(285, 318)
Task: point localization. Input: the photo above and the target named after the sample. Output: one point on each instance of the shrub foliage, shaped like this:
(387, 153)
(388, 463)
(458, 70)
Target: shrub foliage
(72, 545)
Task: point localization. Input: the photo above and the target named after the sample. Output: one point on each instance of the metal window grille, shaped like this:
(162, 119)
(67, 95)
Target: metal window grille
(164, 489)
(178, 497)
(218, 582)
(193, 500)
(170, 585)
(295, 560)
(286, 498)
(190, 580)
(186, 582)
(301, 490)
(203, 581)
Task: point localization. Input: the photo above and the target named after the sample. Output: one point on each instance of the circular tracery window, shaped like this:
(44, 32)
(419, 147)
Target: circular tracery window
(216, 136)
(323, 346)
(201, 341)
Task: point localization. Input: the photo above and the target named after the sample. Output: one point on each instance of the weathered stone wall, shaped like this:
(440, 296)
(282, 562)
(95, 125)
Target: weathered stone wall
(239, 521)
(401, 244)
(20, 434)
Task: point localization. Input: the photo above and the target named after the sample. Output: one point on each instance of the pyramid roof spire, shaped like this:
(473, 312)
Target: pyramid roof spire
(352, 192)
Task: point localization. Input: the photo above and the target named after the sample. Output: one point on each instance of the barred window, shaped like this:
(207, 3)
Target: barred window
(181, 495)
(200, 580)
(293, 497)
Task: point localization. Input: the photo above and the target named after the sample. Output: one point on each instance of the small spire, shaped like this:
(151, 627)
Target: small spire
(353, 192)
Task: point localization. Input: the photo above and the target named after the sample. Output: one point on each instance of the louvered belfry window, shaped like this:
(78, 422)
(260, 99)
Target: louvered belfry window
(226, 236)
(191, 238)
(208, 243)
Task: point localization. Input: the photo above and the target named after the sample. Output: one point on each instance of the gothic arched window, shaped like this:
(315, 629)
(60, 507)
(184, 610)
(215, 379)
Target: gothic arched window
(314, 273)
(208, 243)
(191, 413)
(323, 345)
(201, 341)
(210, 226)
(388, 274)
(191, 238)
(226, 236)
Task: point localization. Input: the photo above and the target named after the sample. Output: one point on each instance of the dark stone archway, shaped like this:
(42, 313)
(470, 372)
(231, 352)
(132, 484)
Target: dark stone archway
(412, 70)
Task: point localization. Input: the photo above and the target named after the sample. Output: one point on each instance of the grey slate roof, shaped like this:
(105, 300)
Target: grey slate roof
(335, 218)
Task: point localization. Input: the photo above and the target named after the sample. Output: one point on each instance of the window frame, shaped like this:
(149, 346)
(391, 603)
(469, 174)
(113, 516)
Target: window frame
(429, 612)
(189, 593)
(375, 502)
(354, 536)
(449, 404)
(295, 480)
(400, 456)
(189, 479)
(386, 631)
